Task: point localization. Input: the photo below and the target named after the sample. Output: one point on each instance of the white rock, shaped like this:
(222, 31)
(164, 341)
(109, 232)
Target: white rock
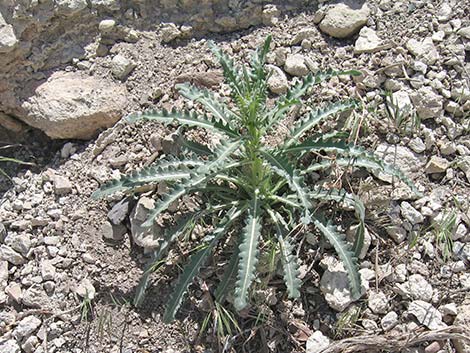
(402, 157)
(334, 285)
(389, 321)
(30, 344)
(449, 309)
(36, 297)
(401, 273)
(121, 67)
(48, 271)
(113, 232)
(342, 21)
(410, 213)
(74, 105)
(427, 103)
(10, 255)
(107, 26)
(445, 12)
(317, 342)
(378, 302)
(417, 145)
(26, 327)
(85, 289)
(62, 185)
(423, 50)
(368, 41)
(437, 165)
(426, 314)
(401, 99)
(415, 288)
(295, 65)
(462, 320)
(8, 40)
(464, 32)
(277, 81)
(19, 242)
(14, 292)
(9, 346)
(146, 237)
(3, 274)
(71, 7)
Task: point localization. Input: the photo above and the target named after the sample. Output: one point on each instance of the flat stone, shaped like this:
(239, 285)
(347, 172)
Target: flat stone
(426, 315)
(410, 213)
(36, 297)
(119, 212)
(10, 255)
(121, 67)
(277, 81)
(295, 65)
(436, 165)
(342, 21)
(26, 327)
(317, 342)
(367, 42)
(73, 105)
(9, 346)
(62, 185)
(389, 321)
(423, 50)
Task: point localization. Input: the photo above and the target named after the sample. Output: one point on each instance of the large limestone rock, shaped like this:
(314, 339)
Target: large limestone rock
(345, 19)
(74, 106)
(8, 39)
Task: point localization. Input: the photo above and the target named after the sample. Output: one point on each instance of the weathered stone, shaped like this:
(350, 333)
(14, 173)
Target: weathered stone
(10, 255)
(36, 297)
(9, 346)
(402, 157)
(8, 40)
(426, 314)
(423, 50)
(378, 302)
(121, 67)
(19, 242)
(146, 237)
(462, 319)
(169, 32)
(415, 288)
(73, 105)
(368, 41)
(410, 213)
(14, 292)
(47, 270)
(317, 342)
(62, 185)
(295, 65)
(26, 327)
(389, 321)
(342, 21)
(427, 103)
(71, 7)
(437, 165)
(113, 232)
(107, 26)
(277, 82)
(85, 289)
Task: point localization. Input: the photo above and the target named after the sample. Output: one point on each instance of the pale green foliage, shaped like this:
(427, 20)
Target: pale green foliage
(254, 192)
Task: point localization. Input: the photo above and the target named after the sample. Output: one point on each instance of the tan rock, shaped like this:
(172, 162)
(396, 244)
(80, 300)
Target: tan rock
(342, 21)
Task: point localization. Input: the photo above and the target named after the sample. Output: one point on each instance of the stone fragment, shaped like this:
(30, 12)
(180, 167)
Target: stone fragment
(47, 270)
(119, 212)
(62, 185)
(8, 40)
(26, 327)
(295, 65)
(169, 32)
(423, 50)
(389, 321)
(317, 342)
(378, 302)
(367, 42)
(445, 12)
(14, 292)
(449, 309)
(426, 314)
(19, 242)
(146, 237)
(10, 255)
(427, 103)
(270, 15)
(121, 67)
(462, 319)
(36, 297)
(402, 157)
(113, 232)
(71, 7)
(107, 26)
(277, 81)
(417, 287)
(3, 274)
(9, 346)
(342, 21)
(85, 289)
(410, 213)
(417, 145)
(72, 105)
(464, 32)
(437, 165)
(29, 346)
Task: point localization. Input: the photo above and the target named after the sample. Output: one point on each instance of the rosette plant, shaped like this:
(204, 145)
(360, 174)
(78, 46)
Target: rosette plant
(252, 190)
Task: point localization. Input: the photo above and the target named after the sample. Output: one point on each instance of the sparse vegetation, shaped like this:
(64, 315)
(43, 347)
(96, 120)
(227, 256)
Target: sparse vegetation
(253, 191)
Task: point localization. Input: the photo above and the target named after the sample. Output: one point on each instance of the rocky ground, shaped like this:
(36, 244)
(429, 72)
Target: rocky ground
(69, 265)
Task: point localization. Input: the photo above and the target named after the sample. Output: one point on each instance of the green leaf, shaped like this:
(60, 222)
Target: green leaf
(184, 118)
(196, 147)
(232, 74)
(229, 275)
(248, 254)
(315, 117)
(168, 238)
(281, 166)
(317, 146)
(195, 263)
(344, 252)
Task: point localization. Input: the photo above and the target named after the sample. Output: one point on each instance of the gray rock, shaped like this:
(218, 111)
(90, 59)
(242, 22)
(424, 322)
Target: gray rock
(144, 236)
(3, 233)
(10, 255)
(62, 185)
(119, 212)
(378, 302)
(14, 292)
(417, 145)
(277, 82)
(8, 40)
(464, 32)
(9, 346)
(295, 65)
(85, 289)
(121, 67)
(410, 213)
(48, 271)
(73, 105)
(113, 232)
(445, 12)
(19, 242)
(423, 50)
(169, 32)
(368, 41)
(415, 288)
(71, 7)
(437, 165)
(29, 346)
(449, 309)
(3, 274)
(389, 321)
(317, 342)
(26, 327)
(107, 26)
(36, 297)
(342, 21)
(401, 157)
(110, 5)
(426, 314)
(427, 103)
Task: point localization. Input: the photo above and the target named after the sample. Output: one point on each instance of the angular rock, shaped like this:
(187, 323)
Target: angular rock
(427, 103)
(462, 319)
(277, 81)
(368, 41)
(436, 165)
(402, 157)
(410, 213)
(71, 7)
(48, 271)
(389, 321)
(423, 50)
(8, 40)
(121, 67)
(295, 65)
(10, 255)
(415, 288)
(19, 242)
(170, 32)
(26, 327)
(317, 342)
(342, 21)
(36, 297)
(119, 212)
(73, 105)
(85, 289)
(62, 185)
(9, 346)
(3, 274)
(426, 314)
(378, 302)
(144, 236)
(14, 292)
(113, 232)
